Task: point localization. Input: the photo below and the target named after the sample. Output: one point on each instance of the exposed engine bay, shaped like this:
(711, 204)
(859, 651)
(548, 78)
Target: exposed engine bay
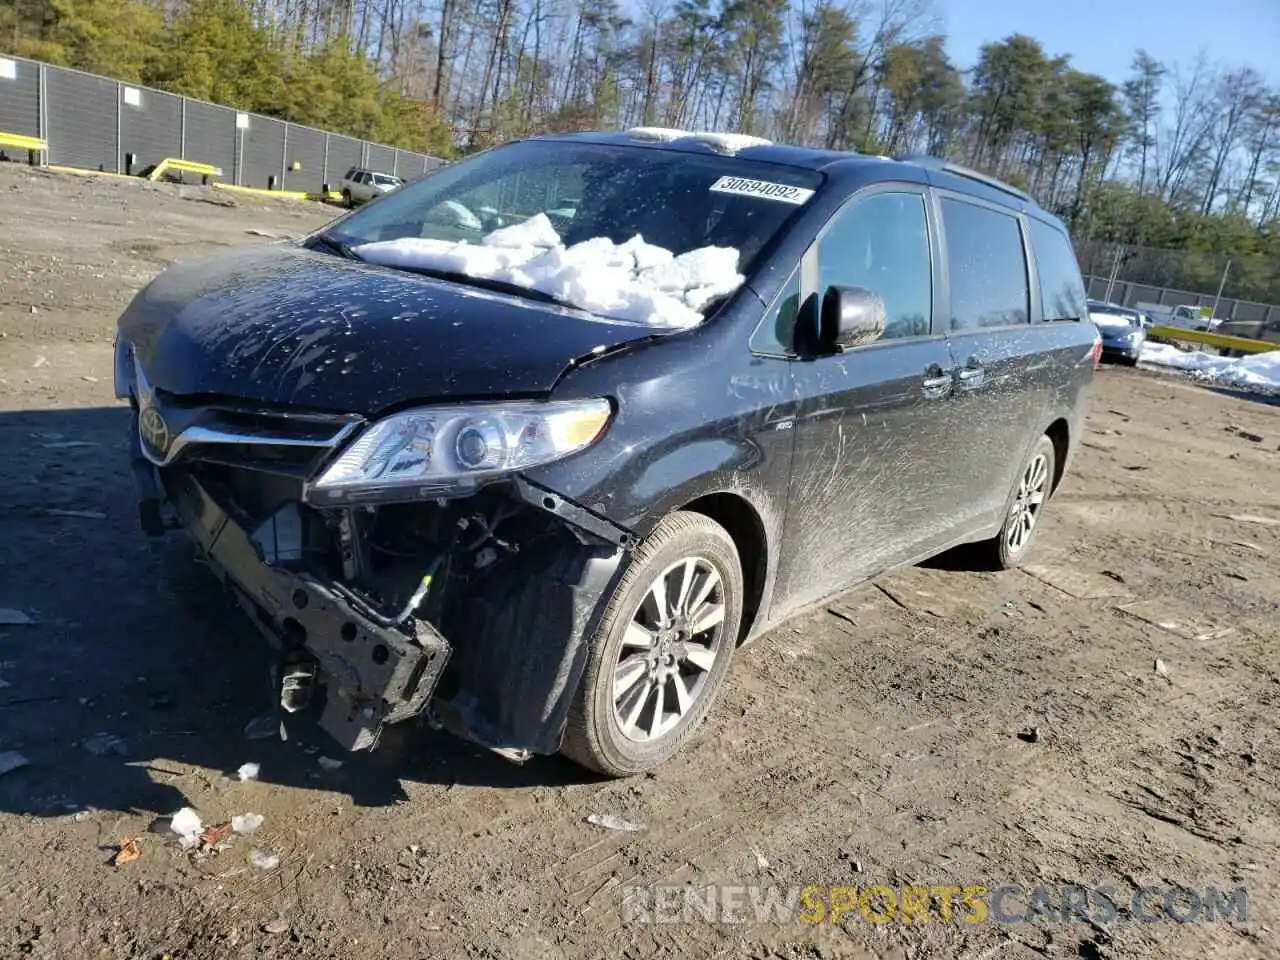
(479, 606)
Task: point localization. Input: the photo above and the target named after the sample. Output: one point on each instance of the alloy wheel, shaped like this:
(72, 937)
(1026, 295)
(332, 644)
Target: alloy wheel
(1026, 505)
(670, 646)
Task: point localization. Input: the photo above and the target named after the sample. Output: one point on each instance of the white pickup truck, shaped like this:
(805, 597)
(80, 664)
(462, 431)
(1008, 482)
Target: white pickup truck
(1185, 315)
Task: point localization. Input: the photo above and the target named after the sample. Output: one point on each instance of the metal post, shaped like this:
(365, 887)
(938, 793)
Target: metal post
(119, 123)
(1115, 272)
(182, 131)
(324, 173)
(1221, 285)
(42, 108)
(284, 156)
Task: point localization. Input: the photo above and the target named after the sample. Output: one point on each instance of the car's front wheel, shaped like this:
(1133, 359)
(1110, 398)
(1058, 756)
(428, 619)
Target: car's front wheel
(660, 654)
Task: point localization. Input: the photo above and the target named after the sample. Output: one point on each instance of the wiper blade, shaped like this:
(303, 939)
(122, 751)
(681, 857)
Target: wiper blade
(337, 246)
(486, 283)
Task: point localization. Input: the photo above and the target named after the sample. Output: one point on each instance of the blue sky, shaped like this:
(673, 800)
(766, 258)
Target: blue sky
(1101, 35)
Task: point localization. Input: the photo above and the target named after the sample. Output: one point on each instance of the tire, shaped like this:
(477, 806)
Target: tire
(633, 737)
(1008, 549)
(347, 200)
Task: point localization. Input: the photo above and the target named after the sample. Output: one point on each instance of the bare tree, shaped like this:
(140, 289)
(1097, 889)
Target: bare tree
(1237, 96)
(1180, 145)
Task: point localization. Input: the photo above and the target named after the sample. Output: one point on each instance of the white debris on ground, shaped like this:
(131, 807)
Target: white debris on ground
(247, 822)
(264, 861)
(249, 771)
(609, 821)
(634, 280)
(187, 826)
(1258, 371)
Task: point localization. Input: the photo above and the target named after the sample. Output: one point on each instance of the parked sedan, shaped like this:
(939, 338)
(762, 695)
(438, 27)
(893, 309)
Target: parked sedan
(545, 480)
(1123, 331)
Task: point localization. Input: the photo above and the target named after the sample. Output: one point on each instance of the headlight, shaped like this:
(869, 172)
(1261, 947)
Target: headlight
(432, 451)
(123, 368)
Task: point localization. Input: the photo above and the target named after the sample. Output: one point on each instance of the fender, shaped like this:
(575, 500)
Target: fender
(742, 504)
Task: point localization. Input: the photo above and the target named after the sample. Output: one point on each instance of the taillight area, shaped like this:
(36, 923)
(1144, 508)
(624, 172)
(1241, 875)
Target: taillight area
(1096, 352)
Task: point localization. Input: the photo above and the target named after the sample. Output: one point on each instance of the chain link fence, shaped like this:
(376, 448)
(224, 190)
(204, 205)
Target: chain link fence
(1245, 290)
(95, 123)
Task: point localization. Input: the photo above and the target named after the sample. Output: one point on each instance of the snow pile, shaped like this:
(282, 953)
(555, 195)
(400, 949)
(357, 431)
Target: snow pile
(1258, 371)
(186, 824)
(724, 142)
(631, 281)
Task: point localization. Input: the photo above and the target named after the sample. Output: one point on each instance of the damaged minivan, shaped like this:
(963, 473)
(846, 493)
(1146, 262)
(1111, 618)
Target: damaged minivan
(533, 445)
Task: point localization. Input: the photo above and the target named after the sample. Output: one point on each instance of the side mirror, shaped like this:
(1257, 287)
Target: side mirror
(851, 316)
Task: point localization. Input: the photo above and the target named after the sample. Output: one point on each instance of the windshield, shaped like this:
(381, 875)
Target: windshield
(571, 215)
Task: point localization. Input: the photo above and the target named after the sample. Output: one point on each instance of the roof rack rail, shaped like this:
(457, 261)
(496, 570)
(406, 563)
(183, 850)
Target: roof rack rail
(947, 166)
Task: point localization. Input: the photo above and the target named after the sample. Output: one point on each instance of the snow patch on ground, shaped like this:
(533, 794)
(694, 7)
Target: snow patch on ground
(634, 280)
(1258, 371)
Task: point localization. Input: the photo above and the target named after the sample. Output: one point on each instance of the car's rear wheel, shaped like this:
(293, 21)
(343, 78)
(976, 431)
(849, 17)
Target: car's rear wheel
(1022, 519)
(347, 199)
(660, 654)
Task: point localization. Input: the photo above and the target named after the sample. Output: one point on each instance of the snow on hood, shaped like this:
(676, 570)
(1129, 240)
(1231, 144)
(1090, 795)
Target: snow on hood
(1261, 371)
(634, 280)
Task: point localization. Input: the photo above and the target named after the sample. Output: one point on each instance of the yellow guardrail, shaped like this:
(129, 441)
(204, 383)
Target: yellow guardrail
(1223, 340)
(184, 166)
(20, 141)
(280, 194)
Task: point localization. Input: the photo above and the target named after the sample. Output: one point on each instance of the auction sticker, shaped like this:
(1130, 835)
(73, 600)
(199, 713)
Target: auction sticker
(780, 192)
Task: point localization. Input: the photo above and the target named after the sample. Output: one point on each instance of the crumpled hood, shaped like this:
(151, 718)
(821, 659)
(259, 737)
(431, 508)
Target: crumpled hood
(285, 325)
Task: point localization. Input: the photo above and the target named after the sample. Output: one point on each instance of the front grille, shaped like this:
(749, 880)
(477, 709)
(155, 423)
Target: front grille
(212, 430)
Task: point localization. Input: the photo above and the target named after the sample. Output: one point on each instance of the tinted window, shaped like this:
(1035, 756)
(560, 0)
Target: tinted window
(881, 244)
(987, 266)
(776, 333)
(1062, 295)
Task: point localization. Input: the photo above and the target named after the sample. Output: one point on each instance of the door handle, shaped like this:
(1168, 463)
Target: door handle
(936, 383)
(972, 375)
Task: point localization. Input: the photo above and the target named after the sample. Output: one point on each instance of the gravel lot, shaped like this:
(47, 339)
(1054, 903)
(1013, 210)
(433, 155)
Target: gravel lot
(1108, 717)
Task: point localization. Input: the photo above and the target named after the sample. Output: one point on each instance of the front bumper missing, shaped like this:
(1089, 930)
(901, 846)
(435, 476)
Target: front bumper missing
(517, 638)
(375, 674)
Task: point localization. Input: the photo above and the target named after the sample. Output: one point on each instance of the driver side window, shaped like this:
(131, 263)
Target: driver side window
(881, 243)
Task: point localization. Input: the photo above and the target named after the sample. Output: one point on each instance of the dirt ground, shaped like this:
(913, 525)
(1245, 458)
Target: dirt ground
(1107, 717)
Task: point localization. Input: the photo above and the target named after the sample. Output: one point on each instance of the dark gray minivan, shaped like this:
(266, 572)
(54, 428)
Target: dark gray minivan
(446, 466)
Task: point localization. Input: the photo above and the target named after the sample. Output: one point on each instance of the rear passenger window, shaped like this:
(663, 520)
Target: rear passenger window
(987, 265)
(881, 243)
(1062, 295)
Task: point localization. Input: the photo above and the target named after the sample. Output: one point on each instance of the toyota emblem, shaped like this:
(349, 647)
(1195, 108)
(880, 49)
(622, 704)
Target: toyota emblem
(154, 430)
